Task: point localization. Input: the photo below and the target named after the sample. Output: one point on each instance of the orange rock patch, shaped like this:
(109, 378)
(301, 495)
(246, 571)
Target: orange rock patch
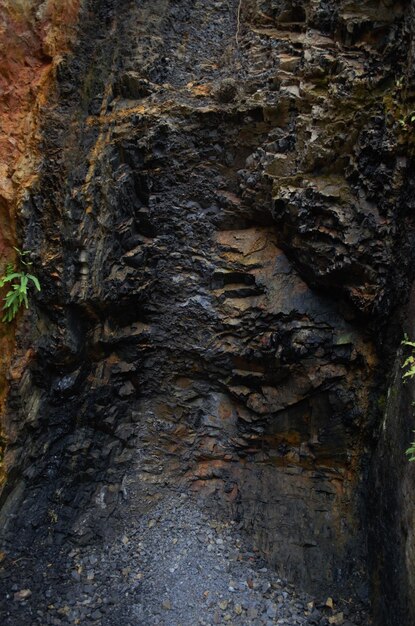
(34, 35)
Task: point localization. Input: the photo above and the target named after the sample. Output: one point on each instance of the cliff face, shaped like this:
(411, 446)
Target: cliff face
(34, 35)
(391, 502)
(223, 229)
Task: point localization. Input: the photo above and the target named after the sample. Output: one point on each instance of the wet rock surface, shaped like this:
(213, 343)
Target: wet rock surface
(33, 36)
(222, 230)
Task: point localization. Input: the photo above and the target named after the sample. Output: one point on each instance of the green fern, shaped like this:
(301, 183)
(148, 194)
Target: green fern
(19, 283)
(411, 451)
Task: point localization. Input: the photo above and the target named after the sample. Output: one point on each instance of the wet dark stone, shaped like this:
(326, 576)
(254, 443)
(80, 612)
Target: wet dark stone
(223, 229)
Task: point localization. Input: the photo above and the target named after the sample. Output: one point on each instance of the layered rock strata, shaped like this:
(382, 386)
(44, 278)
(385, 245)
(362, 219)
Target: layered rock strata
(223, 232)
(34, 36)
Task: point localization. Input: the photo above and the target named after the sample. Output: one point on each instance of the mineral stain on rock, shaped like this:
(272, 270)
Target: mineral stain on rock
(34, 35)
(222, 225)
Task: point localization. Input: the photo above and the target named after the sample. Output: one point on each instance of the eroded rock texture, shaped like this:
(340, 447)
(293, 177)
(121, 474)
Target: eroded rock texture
(33, 37)
(391, 501)
(223, 231)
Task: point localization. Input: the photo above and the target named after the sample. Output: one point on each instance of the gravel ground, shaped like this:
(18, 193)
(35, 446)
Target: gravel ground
(173, 566)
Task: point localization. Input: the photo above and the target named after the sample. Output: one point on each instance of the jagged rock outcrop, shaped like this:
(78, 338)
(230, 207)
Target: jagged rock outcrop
(223, 231)
(34, 35)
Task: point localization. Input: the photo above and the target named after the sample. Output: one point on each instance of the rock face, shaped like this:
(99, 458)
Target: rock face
(223, 230)
(33, 36)
(391, 502)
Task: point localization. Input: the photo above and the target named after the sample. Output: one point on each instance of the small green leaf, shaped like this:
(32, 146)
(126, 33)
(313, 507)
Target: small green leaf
(10, 277)
(34, 280)
(23, 283)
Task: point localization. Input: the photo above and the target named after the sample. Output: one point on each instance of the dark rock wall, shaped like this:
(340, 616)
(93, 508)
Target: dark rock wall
(34, 34)
(391, 499)
(223, 231)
